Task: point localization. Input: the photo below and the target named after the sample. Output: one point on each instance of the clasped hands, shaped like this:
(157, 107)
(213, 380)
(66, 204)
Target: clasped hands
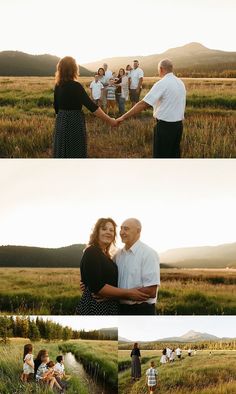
(116, 122)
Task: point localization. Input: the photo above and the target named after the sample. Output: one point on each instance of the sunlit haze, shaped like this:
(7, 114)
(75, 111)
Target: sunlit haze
(53, 203)
(92, 30)
(137, 328)
(87, 323)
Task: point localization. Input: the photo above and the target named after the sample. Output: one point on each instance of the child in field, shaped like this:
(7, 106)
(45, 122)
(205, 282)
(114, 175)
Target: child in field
(28, 366)
(96, 88)
(151, 375)
(59, 368)
(45, 374)
(50, 366)
(111, 96)
(172, 356)
(163, 359)
(59, 372)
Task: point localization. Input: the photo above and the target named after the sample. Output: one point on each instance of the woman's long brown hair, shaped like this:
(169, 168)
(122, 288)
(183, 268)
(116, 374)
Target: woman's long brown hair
(67, 70)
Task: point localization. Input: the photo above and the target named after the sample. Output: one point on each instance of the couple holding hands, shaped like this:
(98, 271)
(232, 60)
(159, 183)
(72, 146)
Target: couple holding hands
(167, 97)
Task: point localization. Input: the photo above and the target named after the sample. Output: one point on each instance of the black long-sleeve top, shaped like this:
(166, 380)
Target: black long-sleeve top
(135, 352)
(71, 96)
(97, 269)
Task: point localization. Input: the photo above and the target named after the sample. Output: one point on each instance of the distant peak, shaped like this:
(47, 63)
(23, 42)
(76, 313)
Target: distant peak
(195, 45)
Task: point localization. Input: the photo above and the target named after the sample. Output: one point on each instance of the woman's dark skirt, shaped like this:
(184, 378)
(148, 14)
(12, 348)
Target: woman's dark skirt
(70, 139)
(135, 367)
(89, 306)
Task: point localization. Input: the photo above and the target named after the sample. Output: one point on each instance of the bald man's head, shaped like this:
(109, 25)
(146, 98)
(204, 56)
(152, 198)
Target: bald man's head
(130, 231)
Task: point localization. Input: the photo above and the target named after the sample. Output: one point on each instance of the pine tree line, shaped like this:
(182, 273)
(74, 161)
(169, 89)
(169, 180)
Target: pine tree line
(35, 330)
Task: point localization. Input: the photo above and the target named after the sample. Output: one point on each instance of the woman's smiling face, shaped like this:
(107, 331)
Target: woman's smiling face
(106, 234)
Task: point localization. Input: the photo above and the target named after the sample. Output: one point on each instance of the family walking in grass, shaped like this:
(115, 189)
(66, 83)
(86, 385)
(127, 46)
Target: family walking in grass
(125, 283)
(42, 370)
(167, 97)
(151, 373)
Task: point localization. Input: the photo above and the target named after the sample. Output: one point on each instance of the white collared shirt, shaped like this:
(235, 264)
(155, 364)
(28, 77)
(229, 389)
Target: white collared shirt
(59, 368)
(135, 76)
(108, 75)
(168, 98)
(138, 267)
(96, 89)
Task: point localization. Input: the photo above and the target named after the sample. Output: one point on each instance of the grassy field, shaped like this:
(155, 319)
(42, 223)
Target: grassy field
(200, 374)
(98, 356)
(27, 121)
(11, 368)
(101, 355)
(56, 291)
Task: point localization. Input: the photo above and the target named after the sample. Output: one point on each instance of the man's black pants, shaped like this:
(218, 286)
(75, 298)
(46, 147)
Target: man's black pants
(167, 138)
(137, 309)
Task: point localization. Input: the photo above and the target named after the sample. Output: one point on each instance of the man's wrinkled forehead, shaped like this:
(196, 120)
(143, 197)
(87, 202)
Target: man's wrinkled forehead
(127, 225)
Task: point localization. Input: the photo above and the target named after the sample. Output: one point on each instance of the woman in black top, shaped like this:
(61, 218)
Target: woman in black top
(38, 360)
(99, 274)
(135, 362)
(70, 139)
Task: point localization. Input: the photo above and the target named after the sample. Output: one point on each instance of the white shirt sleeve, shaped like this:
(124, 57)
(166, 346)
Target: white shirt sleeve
(141, 74)
(91, 85)
(151, 269)
(154, 94)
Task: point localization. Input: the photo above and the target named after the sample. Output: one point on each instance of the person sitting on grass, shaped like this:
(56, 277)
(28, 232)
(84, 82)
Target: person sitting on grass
(151, 375)
(28, 366)
(38, 360)
(59, 372)
(44, 375)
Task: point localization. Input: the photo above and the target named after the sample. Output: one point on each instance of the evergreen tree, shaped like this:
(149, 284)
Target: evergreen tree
(34, 334)
(5, 329)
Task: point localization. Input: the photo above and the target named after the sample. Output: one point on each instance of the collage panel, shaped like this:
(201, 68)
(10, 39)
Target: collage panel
(173, 254)
(60, 354)
(177, 354)
(154, 95)
(117, 276)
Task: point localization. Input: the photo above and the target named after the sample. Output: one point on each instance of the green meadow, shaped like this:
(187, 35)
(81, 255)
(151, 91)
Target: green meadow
(200, 374)
(27, 121)
(91, 354)
(51, 291)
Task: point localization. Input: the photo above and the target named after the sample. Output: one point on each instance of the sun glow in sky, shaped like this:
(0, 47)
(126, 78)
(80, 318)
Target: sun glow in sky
(92, 30)
(53, 203)
(137, 329)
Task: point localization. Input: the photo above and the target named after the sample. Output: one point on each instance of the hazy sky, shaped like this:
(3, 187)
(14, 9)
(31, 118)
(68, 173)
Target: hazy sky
(54, 203)
(92, 30)
(138, 328)
(83, 322)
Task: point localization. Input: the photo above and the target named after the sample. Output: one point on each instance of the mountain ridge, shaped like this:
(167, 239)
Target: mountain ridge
(17, 63)
(193, 54)
(191, 336)
(209, 257)
(188, 59)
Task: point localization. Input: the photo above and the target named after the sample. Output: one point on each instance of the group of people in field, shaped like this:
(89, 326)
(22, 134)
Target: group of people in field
(42, 370)
(151, 373)
(167, 97)
(168, 356)
(111, 91)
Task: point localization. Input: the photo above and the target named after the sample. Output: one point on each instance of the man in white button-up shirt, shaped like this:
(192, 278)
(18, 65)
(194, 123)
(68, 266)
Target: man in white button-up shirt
(168, 99)
(138, 266)
(135, 83)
